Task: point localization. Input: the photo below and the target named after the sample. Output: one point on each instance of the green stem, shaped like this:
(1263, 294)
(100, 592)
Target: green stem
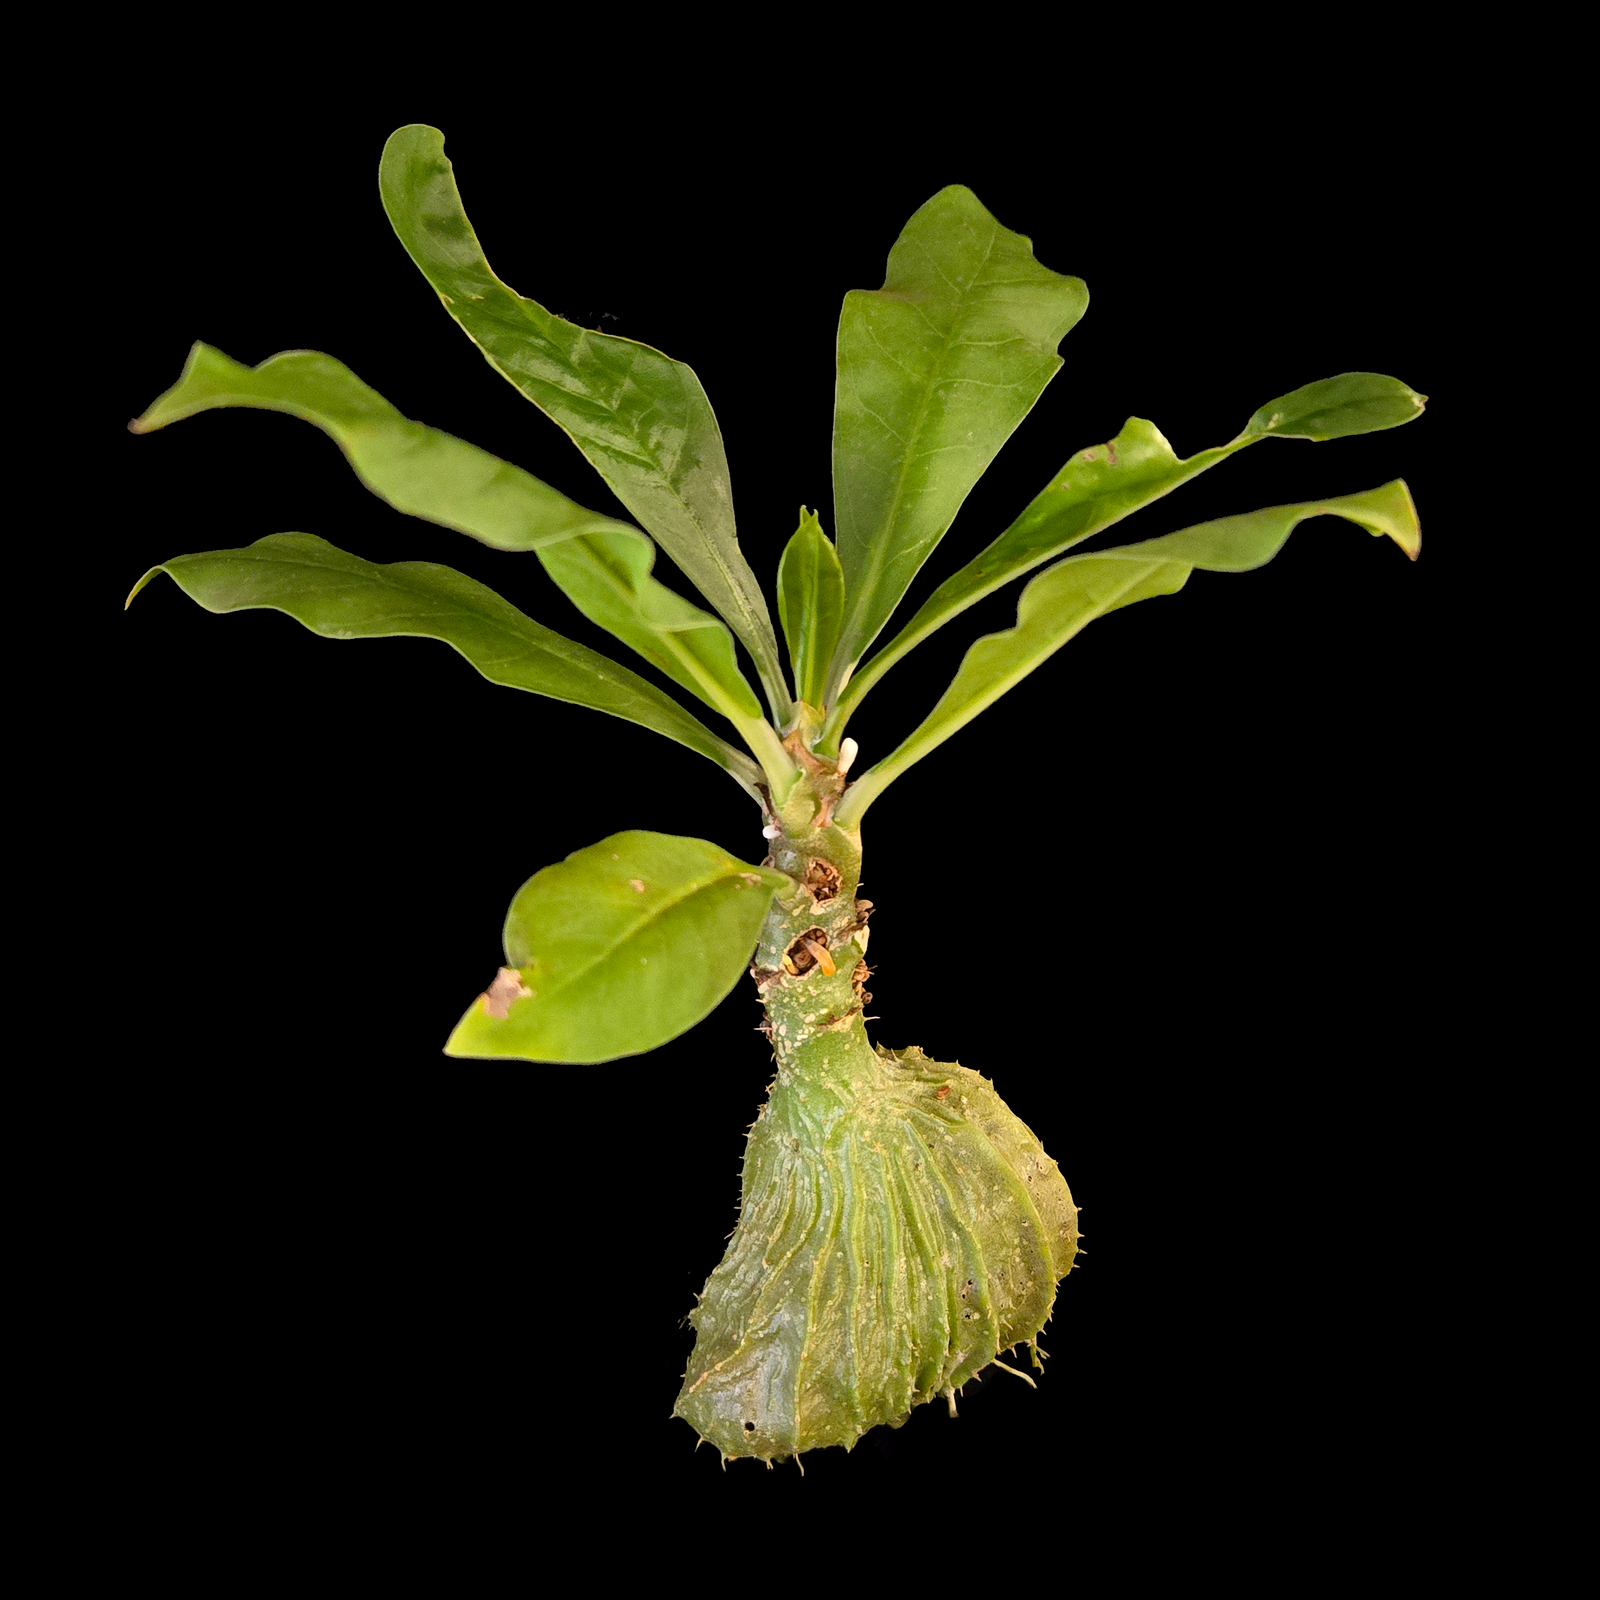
(822, 925)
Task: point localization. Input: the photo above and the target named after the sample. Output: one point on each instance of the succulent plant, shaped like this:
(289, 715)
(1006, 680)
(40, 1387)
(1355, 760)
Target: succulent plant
(900, 1229)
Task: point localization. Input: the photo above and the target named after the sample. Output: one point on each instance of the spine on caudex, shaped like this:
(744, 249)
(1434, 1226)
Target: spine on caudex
(899, 1228)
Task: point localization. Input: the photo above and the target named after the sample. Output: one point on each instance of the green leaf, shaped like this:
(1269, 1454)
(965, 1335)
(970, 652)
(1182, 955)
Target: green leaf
(810, 605)
(1243, 543)
(936, 369)
(1107, 482)
(619, 948)
(417, 469)
(1061, 602)
(1335, 408)
(641, 419)
(603, 566)
(341, 596)
(607, 576)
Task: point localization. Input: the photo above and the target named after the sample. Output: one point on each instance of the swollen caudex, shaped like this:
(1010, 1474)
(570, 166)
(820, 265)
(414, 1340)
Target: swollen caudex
(899, 1228)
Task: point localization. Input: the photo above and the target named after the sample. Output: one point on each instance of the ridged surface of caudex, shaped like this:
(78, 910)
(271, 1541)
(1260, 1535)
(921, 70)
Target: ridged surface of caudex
(899, 1226)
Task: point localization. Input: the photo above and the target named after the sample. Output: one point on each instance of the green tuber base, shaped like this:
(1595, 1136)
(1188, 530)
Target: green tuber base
(899, 1227)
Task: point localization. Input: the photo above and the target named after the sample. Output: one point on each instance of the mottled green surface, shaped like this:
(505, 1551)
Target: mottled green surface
(890, 1245)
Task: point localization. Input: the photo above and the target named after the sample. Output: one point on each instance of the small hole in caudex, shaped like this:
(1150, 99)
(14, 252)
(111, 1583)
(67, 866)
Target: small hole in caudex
(822, 879)
(808, 951)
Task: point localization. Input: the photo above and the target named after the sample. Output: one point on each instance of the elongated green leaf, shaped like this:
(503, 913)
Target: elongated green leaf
(1061, 602)
(1336, 408)
(641, 419)
(810, 605)
(936, 369)
(1102, 485)
(1243, 543)
(341, 596)
(607, 576)
(617, 949)
(604, 566)
(417, 469)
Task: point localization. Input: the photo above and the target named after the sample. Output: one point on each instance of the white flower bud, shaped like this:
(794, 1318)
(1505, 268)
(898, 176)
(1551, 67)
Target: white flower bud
(847, 754)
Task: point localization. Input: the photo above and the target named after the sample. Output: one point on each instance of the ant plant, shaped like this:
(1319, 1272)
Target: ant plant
(899, 1227)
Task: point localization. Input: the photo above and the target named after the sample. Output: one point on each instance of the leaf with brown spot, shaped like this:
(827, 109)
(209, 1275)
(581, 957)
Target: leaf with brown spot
(626, 944)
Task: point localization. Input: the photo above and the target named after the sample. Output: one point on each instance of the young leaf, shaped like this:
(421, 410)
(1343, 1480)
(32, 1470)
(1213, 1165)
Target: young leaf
(341, 596)
(642, 419)
(810, 605)
(936, 369)
(1061, 602)
(603, 566)
(1102, 485)
(617, 949)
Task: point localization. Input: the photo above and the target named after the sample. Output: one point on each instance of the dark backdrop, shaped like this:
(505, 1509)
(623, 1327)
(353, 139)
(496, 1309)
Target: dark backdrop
(1170, 894)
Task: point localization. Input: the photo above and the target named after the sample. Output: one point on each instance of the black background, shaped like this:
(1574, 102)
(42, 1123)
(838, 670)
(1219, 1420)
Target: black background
(1172, 894)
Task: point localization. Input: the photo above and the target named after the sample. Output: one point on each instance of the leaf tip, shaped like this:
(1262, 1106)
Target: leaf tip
(1410, 524)
(133, 592)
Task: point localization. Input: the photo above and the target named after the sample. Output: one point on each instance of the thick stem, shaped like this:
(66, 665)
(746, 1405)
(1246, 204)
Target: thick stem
(809, 964)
